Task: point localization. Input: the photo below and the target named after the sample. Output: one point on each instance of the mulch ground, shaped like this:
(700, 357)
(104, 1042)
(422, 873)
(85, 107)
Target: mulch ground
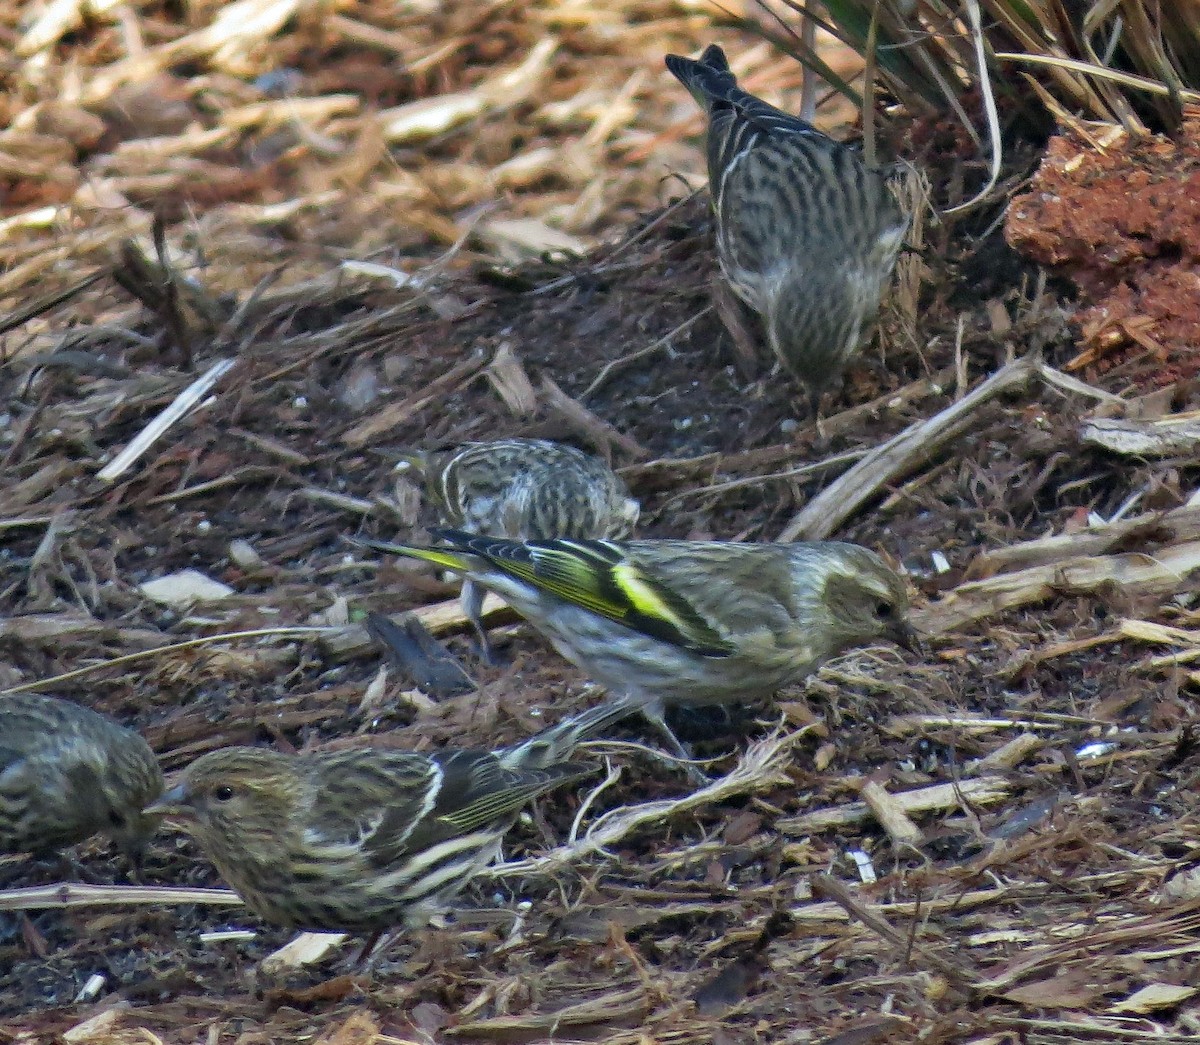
(994, 842)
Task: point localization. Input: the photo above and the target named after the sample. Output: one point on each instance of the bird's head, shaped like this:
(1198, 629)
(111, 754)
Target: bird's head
(865, 600)
(233, 797)
(814, 326)
(112, 788)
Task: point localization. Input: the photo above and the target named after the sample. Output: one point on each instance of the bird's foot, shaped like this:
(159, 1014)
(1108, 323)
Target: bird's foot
(682, 757)
(484, 648)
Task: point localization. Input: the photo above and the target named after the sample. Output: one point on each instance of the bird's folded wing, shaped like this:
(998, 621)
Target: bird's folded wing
(599, 576)
(372, 804)
(463, 792)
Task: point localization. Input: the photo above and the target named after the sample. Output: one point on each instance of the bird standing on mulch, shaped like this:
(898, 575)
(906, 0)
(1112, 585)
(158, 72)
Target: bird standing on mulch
(687, 622)
(67, 773)
(526, 489)
(367, 839)
(807, 233)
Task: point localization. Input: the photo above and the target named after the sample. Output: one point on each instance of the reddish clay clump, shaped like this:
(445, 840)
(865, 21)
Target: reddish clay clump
(1122, 221)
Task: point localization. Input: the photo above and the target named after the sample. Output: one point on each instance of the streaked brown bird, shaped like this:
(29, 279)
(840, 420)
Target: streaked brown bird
(67, 773)
(687, 622)
(807, 233)
(366, 839)
(526, 489)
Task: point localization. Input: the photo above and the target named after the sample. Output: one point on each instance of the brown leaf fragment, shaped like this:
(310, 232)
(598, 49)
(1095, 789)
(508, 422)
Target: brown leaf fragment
(33, 938)
(1073, 989)
(393, 415)
(333, 990)
(728, 987)
(734, 983)
(360, 1029)
(1024, 819)
(742, 827)
(430, 1017)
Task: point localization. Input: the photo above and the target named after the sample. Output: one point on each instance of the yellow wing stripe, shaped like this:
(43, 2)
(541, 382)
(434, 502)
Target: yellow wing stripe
(643, 598)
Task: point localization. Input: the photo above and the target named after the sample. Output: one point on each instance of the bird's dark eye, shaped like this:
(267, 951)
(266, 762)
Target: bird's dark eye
(223, 793)
(883, 611)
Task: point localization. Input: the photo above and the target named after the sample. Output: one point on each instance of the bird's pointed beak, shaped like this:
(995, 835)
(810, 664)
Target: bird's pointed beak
(173, 802)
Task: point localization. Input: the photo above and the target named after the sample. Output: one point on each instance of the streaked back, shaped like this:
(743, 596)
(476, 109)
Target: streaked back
(532, 489)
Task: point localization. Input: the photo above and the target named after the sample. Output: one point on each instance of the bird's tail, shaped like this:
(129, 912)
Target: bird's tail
(447, 557)
(716, 89)
(559, 742)
(707, 78)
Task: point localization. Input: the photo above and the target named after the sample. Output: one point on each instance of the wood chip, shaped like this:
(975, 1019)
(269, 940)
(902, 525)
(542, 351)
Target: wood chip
(939, 797)
(1167, 571)
(302, 950)
(1165, 437)
(592, 428)
(100, 1027)
(184, 588)
(507, 376)
(891, 816)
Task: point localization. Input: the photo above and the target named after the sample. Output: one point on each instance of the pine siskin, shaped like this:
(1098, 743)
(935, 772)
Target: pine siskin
(361, 840)
(807, 233)
(526, 489)
(67, 773)
(687, 622)
(530, 489)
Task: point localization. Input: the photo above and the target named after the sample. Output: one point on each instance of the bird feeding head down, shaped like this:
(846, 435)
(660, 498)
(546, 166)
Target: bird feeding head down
(864, 600)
